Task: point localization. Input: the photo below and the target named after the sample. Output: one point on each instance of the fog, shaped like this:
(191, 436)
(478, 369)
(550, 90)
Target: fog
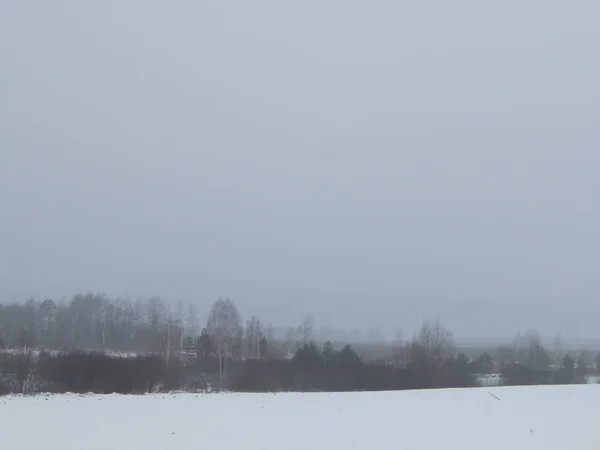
(370, 163)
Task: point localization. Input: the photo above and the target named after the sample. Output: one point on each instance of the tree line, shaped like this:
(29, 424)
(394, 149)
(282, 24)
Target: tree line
(96, 322)
(214, 363)
(51, 347)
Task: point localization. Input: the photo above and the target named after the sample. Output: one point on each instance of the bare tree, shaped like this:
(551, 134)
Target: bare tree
(180, 317)
(158, 315)
(224, 327)
(23, 359)
(435, 340)
(254, 336)
(530, 350)
(398, 349)
(267, 342)
(307, 328)
(558, 351)
(192, 320)
(290, 340)
(527, 344)
(270, 332)
(47, 313)
(157, 312)
(170, 339)
(505, 355)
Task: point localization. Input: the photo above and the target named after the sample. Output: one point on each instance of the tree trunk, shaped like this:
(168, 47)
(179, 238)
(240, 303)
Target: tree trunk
(224, 364)
(258, 344)
(168, 343)
(220, 364)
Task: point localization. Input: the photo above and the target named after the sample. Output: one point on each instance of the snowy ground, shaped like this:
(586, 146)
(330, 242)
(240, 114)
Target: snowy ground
(592, 379)
(490, 380)
(558, 417)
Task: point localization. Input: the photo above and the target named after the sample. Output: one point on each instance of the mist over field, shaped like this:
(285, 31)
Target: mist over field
(370, 165)
(321, 224)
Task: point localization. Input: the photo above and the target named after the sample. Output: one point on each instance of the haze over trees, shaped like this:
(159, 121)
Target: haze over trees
(94, 343)
(225, 329)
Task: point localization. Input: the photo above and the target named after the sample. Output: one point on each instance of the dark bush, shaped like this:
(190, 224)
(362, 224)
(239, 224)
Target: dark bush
(521, 375)
(99, 373)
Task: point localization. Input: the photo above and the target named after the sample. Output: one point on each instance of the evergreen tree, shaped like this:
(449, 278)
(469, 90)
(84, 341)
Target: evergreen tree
(308, 355)
(568, 363)
(348, 356)
(204, 344)
(485, 364)
(329, 352)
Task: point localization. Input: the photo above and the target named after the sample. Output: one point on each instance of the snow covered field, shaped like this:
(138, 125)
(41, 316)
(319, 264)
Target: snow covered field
(557, 417)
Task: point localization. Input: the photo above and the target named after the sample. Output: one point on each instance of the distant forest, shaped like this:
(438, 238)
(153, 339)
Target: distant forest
(96, 322)
(96, 344)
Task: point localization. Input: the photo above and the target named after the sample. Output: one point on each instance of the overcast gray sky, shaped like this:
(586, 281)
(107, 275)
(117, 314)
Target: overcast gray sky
(368, 162)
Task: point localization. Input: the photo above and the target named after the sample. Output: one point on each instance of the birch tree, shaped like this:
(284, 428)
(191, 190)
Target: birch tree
(307, 328)
(436, 340)
(192, 321)
(158, 317)
(226, 331)
(254, 337)
(398, 349)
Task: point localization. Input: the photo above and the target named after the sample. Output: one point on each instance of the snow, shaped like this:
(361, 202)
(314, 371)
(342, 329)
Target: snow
(592, 379)
(549, 417)
(490, 380)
